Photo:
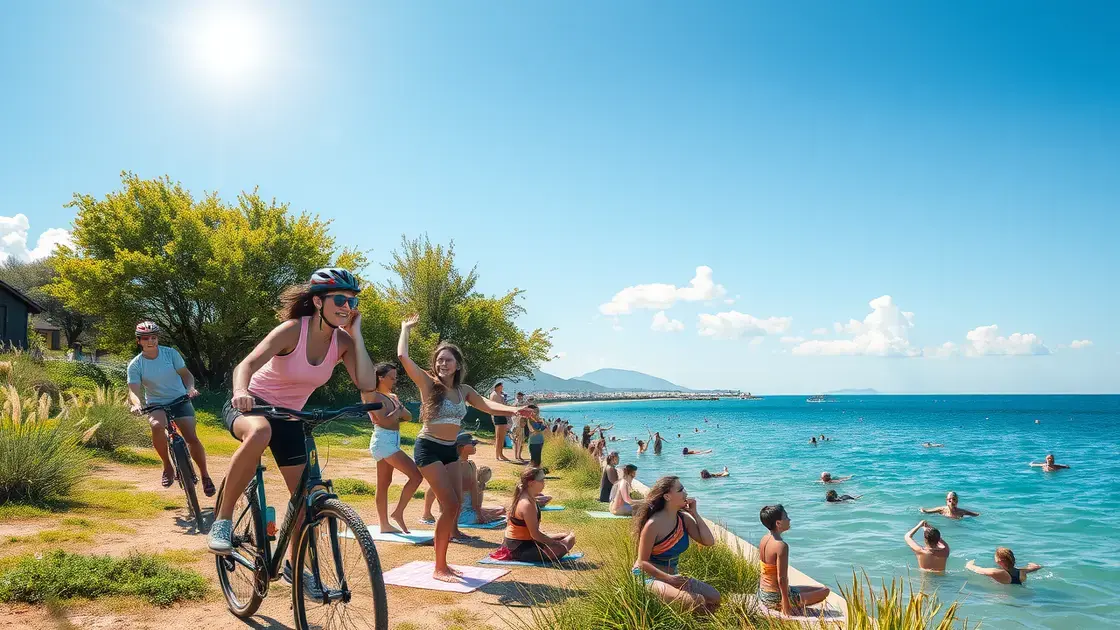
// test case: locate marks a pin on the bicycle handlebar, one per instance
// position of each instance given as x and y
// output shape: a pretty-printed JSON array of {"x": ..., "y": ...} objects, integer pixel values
[{"x": 315, "y": 416}]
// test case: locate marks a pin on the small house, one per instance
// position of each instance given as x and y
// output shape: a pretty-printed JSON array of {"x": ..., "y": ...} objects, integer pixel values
[
  {"x": 48, "y": 331},
  {"x": 15, "y": 309}
]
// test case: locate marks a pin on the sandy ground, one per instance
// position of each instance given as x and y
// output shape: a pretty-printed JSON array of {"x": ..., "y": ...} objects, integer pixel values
[{"x": 488, "y": 607}]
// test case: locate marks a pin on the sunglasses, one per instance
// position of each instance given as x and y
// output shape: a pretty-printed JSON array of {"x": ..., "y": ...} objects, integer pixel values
[{"x": 339, "y": 300}]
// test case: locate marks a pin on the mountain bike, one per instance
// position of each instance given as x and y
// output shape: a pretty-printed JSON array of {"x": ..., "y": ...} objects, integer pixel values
[
  {"x": 180, "y": 456},
  {"x": 336, "y": 580}
]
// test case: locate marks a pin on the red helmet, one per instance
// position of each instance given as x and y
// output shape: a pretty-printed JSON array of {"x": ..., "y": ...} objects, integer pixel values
[{"x": 147, "y": 327}]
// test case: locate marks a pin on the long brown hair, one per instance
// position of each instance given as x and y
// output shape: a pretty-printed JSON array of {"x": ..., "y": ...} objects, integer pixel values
[
  {"x": 528, "y": 476},
  {"x": 296, "y": 302},
  {"x": 439, "y": 390},
  {"x": 654, "y": 503}
]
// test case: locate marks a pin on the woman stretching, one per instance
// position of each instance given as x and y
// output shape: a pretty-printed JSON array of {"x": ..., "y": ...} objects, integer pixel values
[
  {"x": 664, "y": 523},
  {"x": 443, "y": 405},
  {"x": 1007, "y": 572},
  {"x": 385, "y": 446},
  {"x": 621, "y": 503},
  {"x": 524, "y": 538},
  {"x": 774, "y": 590},
  {"x": 295, "y": 359}
]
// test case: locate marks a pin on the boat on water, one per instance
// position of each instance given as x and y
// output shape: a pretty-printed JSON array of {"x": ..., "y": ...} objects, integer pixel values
[
  {"x": 748, "y": 396},
  {"x": 819, "y": 398}
]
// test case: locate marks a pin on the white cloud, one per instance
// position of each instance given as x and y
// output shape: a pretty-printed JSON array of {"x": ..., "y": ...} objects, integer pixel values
[
  {"x": 1078, "y": 344},
  {"x": 944, "y": 351},
  {"x": 658, "y": 297},
  {"x": 986, "y": 340},
  {"x": 13, "y": 239},
  {"x": 820, "y": 332},
  {"x": 662, "y": 323},
  {"x": 884, "y": 332},
  {"x": 733, "y": 324},
  {"x": 792, "y": 339}
]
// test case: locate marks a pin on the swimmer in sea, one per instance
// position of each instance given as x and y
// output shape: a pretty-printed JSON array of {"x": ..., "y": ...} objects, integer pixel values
[
  {"x": 642, "y": 446},
  {"x": 950, "y": 509},
  {"x": 932, "y": 445},
  {"x": 933, "y": 555},
  {"x": 1007, "y": 573},
  {"x": 1048, "y": 465},
  {"x": 689, "y": 451},
  {"x": 704, "y": 474},
  {"x": 813, "y": 440},
  {"x": 827, "y": 477},
  {"x": 832, "y": 497}
]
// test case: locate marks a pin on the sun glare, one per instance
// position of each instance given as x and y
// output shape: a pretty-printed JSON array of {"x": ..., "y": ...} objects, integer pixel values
[{"x": 227, "y": 46}]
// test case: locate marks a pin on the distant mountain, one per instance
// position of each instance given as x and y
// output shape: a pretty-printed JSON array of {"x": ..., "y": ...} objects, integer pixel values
[
  {"x": 545, "y": 382},
  {"x": 856, "y": 392},
  {"x": 629, "y": 380}
]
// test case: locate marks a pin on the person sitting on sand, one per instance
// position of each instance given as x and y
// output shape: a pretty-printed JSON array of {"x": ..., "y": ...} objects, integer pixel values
[
  {"x": 524, "y": 539},
  {"x": 689, "y": 451},
  {"x": 1007, "y": 573},
  {"x": 832, "y": 497},
  {"x": 1048, "y": 465},
  {"x": 826, "y": 477},
  {"x": 621, "y": 503},
  {"x": 642, "y": 446},
  {"x": 933, "y": 555},
  {"x": 704, "y": 474},
  {"x": 950, "y": 509},
  {"x": 774, "y": 590},
  {"x": 664, "y": 524},
  {"x": 609, "y": 477},
  {"x": 932, "y": 445}
]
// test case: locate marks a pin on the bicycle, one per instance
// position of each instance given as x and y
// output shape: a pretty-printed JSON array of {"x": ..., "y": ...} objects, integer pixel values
[
  {"x": 245, "y": 574},
  {"x": 180, "y": 456}
]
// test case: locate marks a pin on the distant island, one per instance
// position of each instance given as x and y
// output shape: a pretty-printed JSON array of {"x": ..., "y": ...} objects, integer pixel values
[
  {"x": 607, "y": 384},
  {"x": 854, "y": 392}
]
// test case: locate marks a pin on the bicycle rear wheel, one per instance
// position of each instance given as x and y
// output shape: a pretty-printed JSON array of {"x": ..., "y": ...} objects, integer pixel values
[
  {"x": 350, "y": 593},
  {"x": 241, "y": 585},
  {"x": 185, "y": 467}
]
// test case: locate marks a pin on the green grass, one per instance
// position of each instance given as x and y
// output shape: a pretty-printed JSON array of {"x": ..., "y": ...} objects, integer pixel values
[
  {"x": 99, "y": 498},
  {"x": 129, "y": 456},
  {"x": 356, "y": 490},
  {"x": 580, "y": 469},
  {"x": 63, "y": 576}
]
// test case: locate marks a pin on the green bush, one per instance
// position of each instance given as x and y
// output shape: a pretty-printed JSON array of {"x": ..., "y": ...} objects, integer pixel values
[
  {"x": 81, "y": 376},
  {"x": 107, "y": 425},
  {"x": 61, "y": 575},
  {"x": 40, "y": 461},
  {"x": 577, "y": 463},
  {"x": 348, "y": 485}
]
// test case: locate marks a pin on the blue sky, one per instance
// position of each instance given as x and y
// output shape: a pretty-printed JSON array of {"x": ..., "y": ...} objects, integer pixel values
[{"x": 958, "y": 157}]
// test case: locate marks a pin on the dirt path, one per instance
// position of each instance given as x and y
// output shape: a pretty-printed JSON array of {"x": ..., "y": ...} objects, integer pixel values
[{"x": 488, "y": 607}]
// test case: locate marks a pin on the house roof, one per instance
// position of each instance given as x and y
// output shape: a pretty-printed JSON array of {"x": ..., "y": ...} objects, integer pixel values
[
  {"x": 40, "y": 323},
  {"x": 32, "y": 305}
]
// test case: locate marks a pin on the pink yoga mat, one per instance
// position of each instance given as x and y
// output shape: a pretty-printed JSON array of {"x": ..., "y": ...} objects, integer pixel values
[{"x": 418, "y": 574}]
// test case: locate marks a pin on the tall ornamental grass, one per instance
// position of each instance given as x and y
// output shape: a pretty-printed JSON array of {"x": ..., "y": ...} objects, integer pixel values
[
  {"x": 576, "y": 462},
  {"x": 105, "y": 421},
  {"x": 41, "y": 460}
]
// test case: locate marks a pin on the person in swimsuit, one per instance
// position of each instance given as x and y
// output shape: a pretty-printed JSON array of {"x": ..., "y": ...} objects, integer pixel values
[
  {"x": 609, "y": 477},
  {"x": 690, "y": 451},
  {"x": 832, "y": 497},
  {"x": 585, "y": 439},
  {"x": 1048, "y": 465},
  {"x": 664, "y": 524},
  {"x": 656, "y": 438},
  {"x": 321, "y": 327},
  {"x": 1007, "y": 573},
  {"x": 516, "y": 431},
  {"x": 704, "y": 474},
  {"x": 935, "y": 553},
  {"x": 933, "y": 445},
  {"x": 501, "y": 424},
  {"x": 443, "y": 405},
  {"x": 474, "y": 485},
  {"x": 524, "y": 538},
  {"x": 385, "y": 446},
  {"x": 621, "y": 503},
  {"x": 828, "y": 478},
  {"x": 950, "y": 509},
  {"x": 774, "y": 590},
  {"x": 642, "y": 446}
]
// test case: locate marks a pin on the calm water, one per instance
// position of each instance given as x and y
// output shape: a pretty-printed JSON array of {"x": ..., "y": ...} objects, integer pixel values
[{"x": 1067, "y": 521}]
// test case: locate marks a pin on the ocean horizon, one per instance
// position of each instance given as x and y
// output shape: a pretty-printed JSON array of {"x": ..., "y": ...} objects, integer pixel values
[{"x": 1061, "y": 520}]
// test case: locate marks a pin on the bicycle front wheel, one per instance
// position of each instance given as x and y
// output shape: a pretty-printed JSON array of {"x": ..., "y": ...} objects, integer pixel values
[
  {"x": 337, "y": 583},
  {"x": 186, "y": 479}
]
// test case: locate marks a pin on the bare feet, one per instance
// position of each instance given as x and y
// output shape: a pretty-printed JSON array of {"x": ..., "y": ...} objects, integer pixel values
[
  {"x": 398, "y": 518},
  {"x": 450, "y": 575},
  {"x": 389, "y": 529}
]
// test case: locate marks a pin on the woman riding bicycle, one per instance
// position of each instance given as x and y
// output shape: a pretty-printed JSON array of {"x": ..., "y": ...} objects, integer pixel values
[
  {"x": 444, "y": 399},
  {"x": 321, "y": 327}
]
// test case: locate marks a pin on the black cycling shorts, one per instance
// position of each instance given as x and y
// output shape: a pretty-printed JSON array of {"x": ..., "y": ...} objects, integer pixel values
[
  {"x": 501, "y": 421},
  {"x": 287, "y": 436},
  {"x": 425, "y": 452}
]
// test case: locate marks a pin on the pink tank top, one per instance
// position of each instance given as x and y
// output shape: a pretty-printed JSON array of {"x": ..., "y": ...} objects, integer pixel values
[{"x": 289, "y": 380}]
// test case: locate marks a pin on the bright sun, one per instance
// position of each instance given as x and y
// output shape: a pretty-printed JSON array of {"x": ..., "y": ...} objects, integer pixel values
[{"x": 227, "y": 45}]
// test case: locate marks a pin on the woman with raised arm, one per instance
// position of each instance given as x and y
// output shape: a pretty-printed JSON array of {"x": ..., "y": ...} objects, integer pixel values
[
  {"x": 385, "y": 446},
  {"x": 320, "y": 327},
  {"x": 443, "y": 405}
]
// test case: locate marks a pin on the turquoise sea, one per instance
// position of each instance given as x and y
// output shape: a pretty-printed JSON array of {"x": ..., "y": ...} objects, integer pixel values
[{"x": 1068, "y": 521}]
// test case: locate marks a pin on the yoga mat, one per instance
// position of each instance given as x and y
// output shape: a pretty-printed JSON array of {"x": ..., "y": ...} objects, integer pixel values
[
  {"x": 418, "y": 574},
  {"x": 517, "y": 563},
  {"x": 413, "y": 538},
  {"x": 552, "y": 508},
  {"x": 491, "y": 525},
  {"x": 824, "y": 611},
  {"x": 594, "y": 514}
]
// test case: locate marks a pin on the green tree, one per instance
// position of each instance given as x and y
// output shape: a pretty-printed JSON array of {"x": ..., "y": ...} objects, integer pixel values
[
  {"x": 32, "y": 278},
  {"x": 209, "y": 273}
]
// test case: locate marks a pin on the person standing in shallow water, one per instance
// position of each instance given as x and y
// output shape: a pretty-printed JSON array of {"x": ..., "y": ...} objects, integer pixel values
[
  {"x": 935, "y": 553},
  {"x": 950, "y": 509},
  {"x": 443, "y": 405},
  {"x": 1007, "y": 572}
]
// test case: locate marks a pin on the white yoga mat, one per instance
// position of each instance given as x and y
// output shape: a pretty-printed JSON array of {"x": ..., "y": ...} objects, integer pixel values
[
  {"x": 594, "y": 514},
  {"x": 418, "y": 574},
  {"x": 517, "y": 563},
  {"x": 411, "y": 538}
]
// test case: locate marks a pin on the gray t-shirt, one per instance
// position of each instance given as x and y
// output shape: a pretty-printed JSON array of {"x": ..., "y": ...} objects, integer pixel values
[{"x": 159, "y": 376}]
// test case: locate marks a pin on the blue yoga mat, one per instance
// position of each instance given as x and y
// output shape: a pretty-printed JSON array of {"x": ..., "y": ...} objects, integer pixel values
[
  {"x": 552, "y": 508},
  {"x": 517, "y": 563}
]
